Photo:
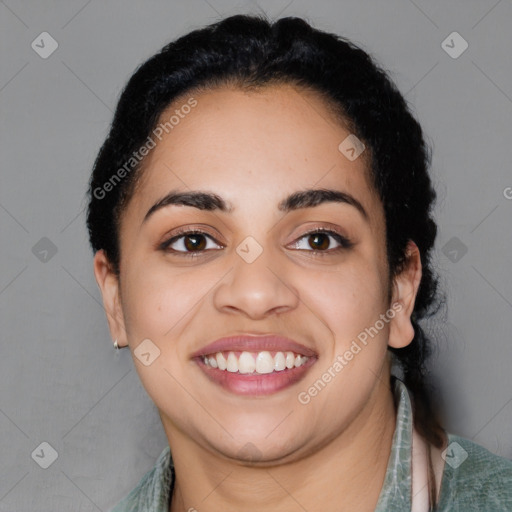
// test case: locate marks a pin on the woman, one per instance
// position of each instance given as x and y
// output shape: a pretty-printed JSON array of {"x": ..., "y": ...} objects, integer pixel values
[{"x": 261, "y": 219}]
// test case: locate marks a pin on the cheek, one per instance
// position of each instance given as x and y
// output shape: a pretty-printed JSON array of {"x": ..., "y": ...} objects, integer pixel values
[
  {"x": 350, "y": 302},
  {"x": 349, "y": 299},
  {"x": 158, "y": 304}
]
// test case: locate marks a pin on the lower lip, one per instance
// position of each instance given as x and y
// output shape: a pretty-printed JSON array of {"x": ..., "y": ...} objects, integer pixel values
[{"x": 256, "y": 384}]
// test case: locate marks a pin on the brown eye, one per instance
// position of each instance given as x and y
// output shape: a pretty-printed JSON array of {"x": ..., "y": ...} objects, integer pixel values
[
  {"x": 189, "y": 242},
  {"x": 194, "y": 242},
  {"x": 319, "y": 241}
]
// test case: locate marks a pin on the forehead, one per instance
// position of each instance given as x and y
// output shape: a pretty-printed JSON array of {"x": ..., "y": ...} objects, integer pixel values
[{"x": 247, "y": 145}]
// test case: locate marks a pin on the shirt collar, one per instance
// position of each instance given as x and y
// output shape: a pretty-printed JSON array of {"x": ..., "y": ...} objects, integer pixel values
[{"x": 396, "y": 491}]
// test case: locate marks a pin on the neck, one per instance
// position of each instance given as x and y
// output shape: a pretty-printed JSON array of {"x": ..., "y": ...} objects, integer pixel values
[{"x": 346, "y": 473}]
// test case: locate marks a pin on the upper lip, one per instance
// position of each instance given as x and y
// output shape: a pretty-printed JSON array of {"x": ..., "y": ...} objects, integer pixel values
[{"x": 254, "y": 343}]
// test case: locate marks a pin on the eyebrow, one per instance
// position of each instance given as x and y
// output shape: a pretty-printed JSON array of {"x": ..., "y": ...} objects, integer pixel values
[{"x": 298, "y": 200}]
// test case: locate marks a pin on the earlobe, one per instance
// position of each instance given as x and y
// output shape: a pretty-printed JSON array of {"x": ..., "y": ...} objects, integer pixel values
[
  {"x": 405, "y": 289},
  {"x": 108, "y": 283}
]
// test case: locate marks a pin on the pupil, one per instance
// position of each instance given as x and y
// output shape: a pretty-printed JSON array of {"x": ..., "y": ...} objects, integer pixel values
[
  {"x": 323, "y": 238},
  {"x": 196, "y": 245}
]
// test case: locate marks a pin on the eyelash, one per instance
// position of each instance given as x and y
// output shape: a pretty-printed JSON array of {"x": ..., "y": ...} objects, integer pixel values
[{"x": 344, "y": 242}]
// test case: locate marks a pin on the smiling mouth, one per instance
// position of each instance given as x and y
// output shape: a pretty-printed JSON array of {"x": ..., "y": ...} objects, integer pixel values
[
  {"x": 255, "y": 364},
  {"x": 255, "y": 373}
]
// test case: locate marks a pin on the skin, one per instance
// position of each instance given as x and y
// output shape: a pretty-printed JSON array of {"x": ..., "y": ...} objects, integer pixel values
[{"x": 253, "y": 150}]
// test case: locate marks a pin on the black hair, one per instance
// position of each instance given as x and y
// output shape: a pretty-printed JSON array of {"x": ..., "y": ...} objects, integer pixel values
[{"x": 249, "y": 52}]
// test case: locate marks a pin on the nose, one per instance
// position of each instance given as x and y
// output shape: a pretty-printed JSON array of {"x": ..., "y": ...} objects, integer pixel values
[{"x": 257, "y": 289}]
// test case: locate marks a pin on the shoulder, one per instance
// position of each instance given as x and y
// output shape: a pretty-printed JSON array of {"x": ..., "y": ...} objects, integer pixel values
[
  {"x": 474, "y": 478},
  {"x": 151, "y": 494}
]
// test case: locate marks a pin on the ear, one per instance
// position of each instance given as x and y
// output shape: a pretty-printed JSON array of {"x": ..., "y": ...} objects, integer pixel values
[
  {"x": 405, "y": 288},
  {"x": 108, "y": 283}
]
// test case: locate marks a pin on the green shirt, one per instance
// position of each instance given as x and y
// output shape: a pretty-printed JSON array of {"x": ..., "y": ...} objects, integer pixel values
[{"x": 474, "y": 479}]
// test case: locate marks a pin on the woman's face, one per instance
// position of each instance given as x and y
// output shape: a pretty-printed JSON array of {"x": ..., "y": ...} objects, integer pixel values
[{"x": 259, "y": 267}]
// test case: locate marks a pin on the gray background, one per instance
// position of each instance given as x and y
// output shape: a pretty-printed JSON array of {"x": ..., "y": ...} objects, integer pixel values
[{"x": 61, "y": 382}]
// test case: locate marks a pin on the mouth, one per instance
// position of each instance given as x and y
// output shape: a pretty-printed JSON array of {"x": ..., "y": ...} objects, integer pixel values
[{"x": 255, "y": 365}]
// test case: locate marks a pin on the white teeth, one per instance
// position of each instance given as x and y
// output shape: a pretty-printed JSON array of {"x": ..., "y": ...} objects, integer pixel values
[
  {"x": 221, "y": 361},
  {"x": 264, "y": 362},
  {"x": 279, "y": 362},
  {"x": 249, "y": 362},
  {"x": 232, "y": 365},
  {"x": 246, "y": 363}
]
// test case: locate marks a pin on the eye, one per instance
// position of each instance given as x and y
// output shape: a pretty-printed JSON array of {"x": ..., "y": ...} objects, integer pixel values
[
  {"x": 320, "y": 241},
  {"x": 193, "y": 243},
  {"x": 186, "y": 243}
]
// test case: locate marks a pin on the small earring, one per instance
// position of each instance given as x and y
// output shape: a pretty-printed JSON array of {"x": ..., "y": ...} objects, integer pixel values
[{"x": 116, "y": 346}]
